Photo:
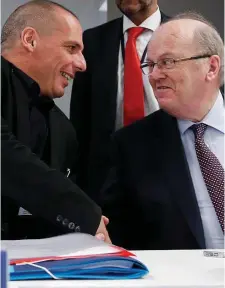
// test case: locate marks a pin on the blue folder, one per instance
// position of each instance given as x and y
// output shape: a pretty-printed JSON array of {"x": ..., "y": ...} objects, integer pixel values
[
  {"x": 70, "y": 256},
  {"x": 100, "y": 267},
  {"x": 3, "y": 271}
]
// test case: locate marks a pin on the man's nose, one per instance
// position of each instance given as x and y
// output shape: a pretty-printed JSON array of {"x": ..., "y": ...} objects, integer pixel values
[
  {"x": 79, "y": 62},
  {"x": 156, "y": 73}
]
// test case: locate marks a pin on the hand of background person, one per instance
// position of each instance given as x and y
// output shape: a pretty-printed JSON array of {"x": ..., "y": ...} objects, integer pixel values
[{"x": 102, "y": 233}]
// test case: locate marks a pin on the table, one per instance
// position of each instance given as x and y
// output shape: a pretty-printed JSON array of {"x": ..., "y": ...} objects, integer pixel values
[{"x": 177, "y": 268}]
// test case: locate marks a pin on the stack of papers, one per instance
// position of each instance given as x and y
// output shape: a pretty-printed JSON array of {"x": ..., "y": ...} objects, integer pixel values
[{"x": 71, "y": 256}]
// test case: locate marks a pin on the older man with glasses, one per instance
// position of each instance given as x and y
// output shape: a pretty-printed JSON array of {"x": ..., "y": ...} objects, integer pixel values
[{"x": 166, "y": 190}]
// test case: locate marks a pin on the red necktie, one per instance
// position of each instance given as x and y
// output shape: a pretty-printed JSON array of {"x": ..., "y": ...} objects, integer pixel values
[{"x": 133, "y": 82}]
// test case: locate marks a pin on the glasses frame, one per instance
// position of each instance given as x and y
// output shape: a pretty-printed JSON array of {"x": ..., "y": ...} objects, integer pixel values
[{"x": 146, "y": 64}]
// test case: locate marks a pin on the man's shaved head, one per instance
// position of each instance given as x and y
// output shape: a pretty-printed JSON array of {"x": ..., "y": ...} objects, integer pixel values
[
  {"x": 44, "y": 40},
  {"x": 38, "y": 14}
]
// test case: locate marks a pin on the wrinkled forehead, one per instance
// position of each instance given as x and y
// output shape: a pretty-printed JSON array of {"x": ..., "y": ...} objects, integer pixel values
[{"x": 171, "y": 39}]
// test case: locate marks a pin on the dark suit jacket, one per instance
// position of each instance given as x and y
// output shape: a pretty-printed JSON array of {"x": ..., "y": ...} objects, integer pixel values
[
  {"x": 149, "y": 197},
  {"x": 58, "y": 206},
  {"x": 93, "y": 103}
]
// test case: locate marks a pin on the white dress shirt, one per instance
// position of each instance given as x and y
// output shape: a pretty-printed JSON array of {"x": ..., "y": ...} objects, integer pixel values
[
  {"x": 214, "y": 139},
  {"x": 151, "y": 104}
]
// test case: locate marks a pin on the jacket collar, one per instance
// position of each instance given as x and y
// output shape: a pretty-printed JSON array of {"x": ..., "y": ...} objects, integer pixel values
[{"x": 33, "y": 89}]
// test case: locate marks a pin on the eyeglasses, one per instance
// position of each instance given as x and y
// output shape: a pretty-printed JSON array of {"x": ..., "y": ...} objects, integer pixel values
[{"x": 167, "y": 63}]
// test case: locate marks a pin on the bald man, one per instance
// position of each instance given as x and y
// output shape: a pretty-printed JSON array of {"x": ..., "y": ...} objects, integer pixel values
[
  {"x": 41, "y": 52},
  {"x": 167, "y": 188}
]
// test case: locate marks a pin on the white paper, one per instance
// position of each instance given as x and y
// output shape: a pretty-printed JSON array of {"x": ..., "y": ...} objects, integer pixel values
[{"x": 72, "y": 244}]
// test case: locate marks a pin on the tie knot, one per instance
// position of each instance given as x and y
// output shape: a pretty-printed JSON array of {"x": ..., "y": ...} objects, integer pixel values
[
  {"x": 199, "y": 130},
  {"x": 134, "y": 32}
]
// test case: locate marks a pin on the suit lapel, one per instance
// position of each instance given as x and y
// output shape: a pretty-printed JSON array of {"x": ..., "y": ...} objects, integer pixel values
[
  {"x": 178, "y": 177},
  {"x": 109, "y": 66}
]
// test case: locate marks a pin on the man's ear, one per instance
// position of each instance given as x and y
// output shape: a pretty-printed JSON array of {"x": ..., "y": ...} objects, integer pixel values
[
  {"x": 29, "y": 39},
  {"x": 214, "y": 67}
]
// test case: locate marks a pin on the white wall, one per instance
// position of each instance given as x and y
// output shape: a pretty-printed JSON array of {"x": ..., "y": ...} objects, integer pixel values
[{"x": 88, "y": 14}]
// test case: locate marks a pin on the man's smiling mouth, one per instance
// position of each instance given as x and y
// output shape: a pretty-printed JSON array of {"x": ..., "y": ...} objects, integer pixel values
[{"x": 67, "y": 76}]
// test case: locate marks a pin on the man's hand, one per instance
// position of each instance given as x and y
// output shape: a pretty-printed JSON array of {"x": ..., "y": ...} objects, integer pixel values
[{"x": 102, "y": 233}]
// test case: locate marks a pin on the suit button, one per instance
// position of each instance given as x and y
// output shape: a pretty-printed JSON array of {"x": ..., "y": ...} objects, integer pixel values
[
  {"x": 65, "y": 222},
  {"x": 77, "y": 229},
  {"x": 71, "y": 225},
  {"x": 59, "y": 218}
]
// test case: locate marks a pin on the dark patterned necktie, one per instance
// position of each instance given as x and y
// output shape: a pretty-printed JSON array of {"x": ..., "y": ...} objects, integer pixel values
[{"x": 212, "y": 171}]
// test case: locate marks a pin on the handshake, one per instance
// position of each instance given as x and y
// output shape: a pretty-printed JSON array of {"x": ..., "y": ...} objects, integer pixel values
[{"x": 102, "y": 233}]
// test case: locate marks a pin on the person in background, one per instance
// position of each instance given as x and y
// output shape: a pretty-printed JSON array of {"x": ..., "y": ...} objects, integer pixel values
[
  {"x": 166, "y": 190},
  {"x": 41, "y": 52},
  {"x": 112, "y": 92}
]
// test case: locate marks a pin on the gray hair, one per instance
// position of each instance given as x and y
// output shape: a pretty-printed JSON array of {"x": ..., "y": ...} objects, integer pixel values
[
  {"x": 38, "y": 14},
  {"x": 207, "y": 37}
]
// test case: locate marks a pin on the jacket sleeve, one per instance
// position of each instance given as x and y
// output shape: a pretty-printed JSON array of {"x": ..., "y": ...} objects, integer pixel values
[
  {"x": 80, "y": 115},
  {"x": 42, "y": 191}
]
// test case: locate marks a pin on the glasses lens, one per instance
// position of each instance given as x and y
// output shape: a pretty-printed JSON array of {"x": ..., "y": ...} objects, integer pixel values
[
  {"x": 145, "y": 69},
  {"x": 166, "y": 63}
]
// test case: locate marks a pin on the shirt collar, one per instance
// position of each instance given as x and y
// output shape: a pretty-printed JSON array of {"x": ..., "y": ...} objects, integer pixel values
[
  {"x": 151, "y": 23},
  {"x": 215, "y": 117}
]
